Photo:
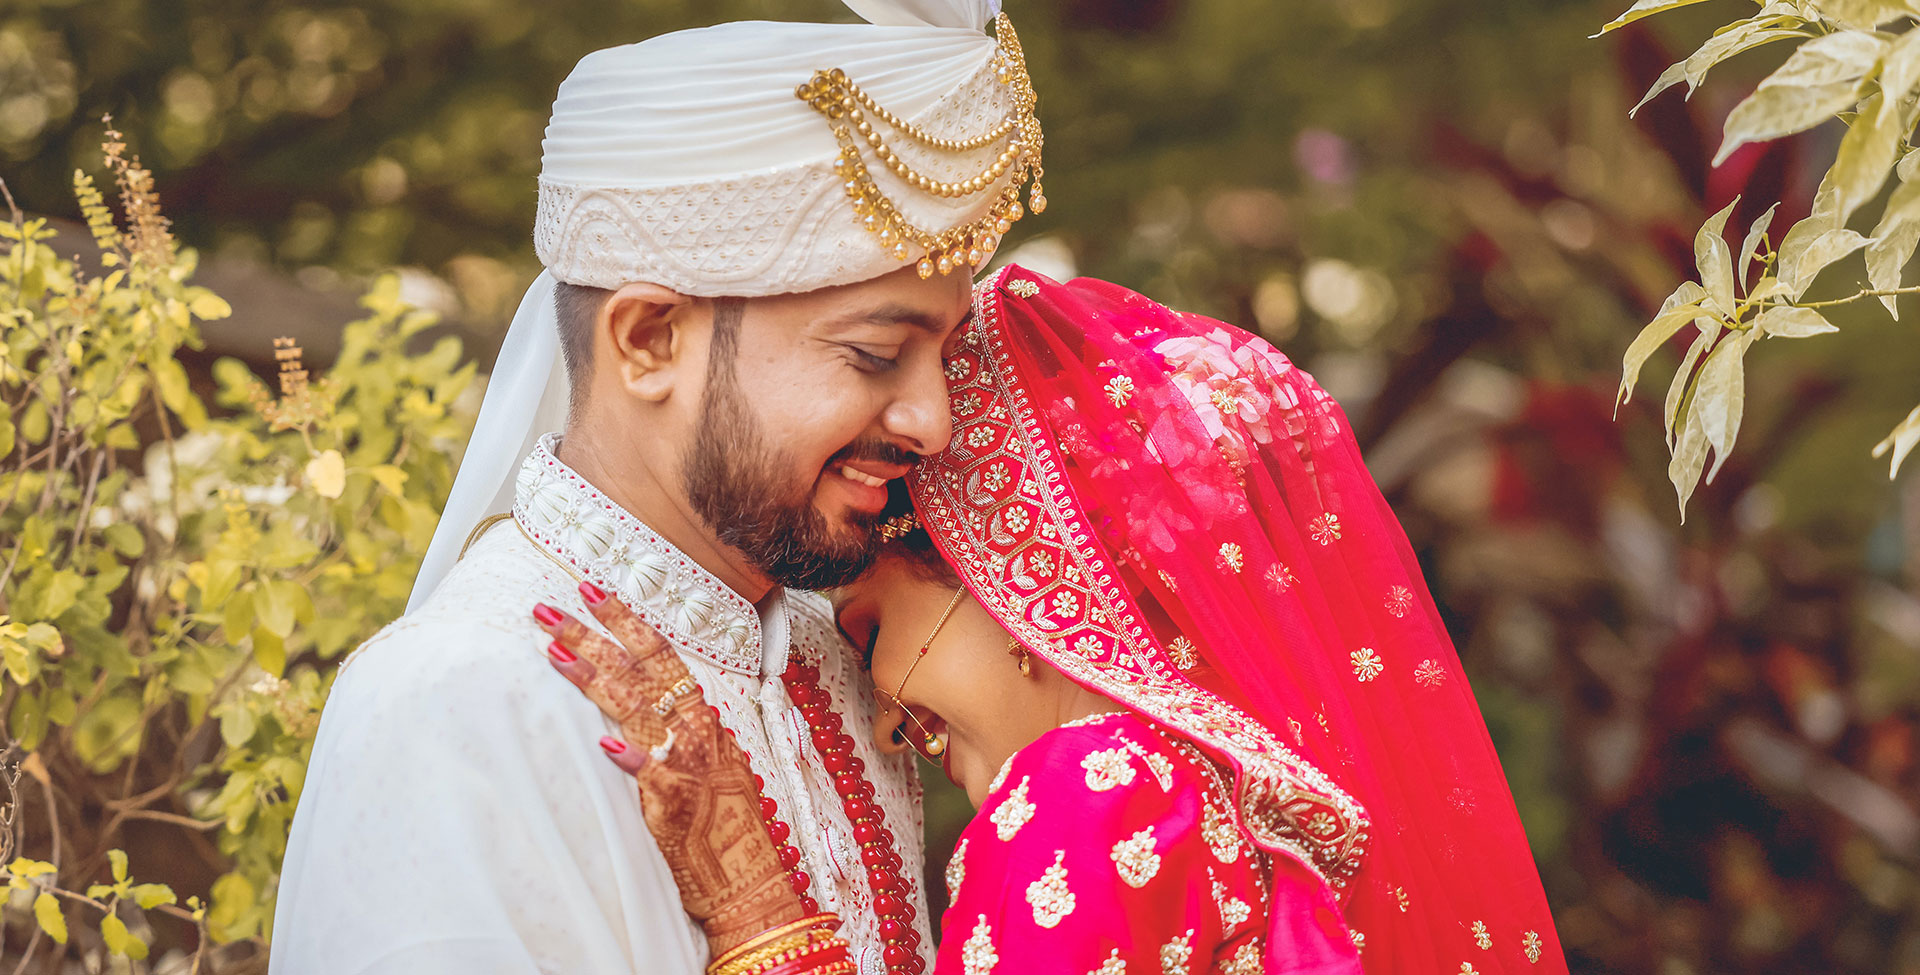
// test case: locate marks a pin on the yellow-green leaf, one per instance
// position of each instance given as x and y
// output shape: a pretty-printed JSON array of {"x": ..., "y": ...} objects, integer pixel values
[
  {"x": 237, "y": 724},
  {"x": 1644, "y": 8},
  {"x": 1787, "y": 322},
  {"x": 1714, "y": 260},
  {"x": 1803, "y": 258},
  {"x": 1862, "y": 13},
  {"x": 1734, "y": 40},
  {"x": 1680, "y": 308},
  {"x": 390, "y": 477},
  {"x": 119, "y": 940},
  {"x": 1721, "y": 396},
  {"x": 1844, "y": 56},
  {"x": 150, "y": 896},
  {"x": 1866, "y": 153},
  {"x": 327, "y": 474},
  {"x": 46, "y": 910},
  {"x": 1901, "y": 441},
  {"x": 274, "y": 605},
  {"x": 1894, "y": 240},
  {"x": 171, "y": 380},
  {"x": 1710, "y": 329},
  {"x": 1773, "y": 111},
  {"x": 1689, "y": 455},
  {"x": 23, "y": 867},
  {"x": 209, "y": 307},
  {"x": 117, "y": 860}
]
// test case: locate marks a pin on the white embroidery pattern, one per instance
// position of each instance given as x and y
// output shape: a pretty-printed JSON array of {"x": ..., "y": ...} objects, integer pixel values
[
  {"x": 956, "y": 871},
  {"x": 1175, "y": 954},
  {"x": 1135, "y": 860},
  {"x": 1108, "y": 768},
  {"x": 1246, "y": 959},
  {"x": 1220, "y": 833},
  {"x": 1014, "y": 812},
  {"x": 1114, "y": 965},
  {"x": 977, "y": 956},
  {"x": 1049, "y": 896}
]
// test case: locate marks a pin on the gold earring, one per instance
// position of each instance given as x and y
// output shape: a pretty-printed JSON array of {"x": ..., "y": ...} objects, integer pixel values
[{"x": 1017, "y": 650}]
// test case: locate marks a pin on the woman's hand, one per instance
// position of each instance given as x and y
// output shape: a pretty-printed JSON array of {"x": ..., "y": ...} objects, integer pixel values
[{"x": 696, "y": 788}]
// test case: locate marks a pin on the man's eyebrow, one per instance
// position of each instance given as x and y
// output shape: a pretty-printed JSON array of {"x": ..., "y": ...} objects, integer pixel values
[{"x": 896, "y": 314}]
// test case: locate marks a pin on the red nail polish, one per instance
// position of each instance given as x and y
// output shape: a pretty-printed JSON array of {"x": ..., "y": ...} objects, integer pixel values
[
  {"x": 560, "y": 653},
  {"x": 547, "y": 614},
  {"x": 613, "y": 746},
  {"x": 593, "y": 594}
]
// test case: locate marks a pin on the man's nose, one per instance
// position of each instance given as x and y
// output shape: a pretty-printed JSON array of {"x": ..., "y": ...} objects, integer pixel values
[{"x": 921, "y": 414}]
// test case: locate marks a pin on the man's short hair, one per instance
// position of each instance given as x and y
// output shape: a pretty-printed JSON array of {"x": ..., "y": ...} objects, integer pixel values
[{"x": 578, "y": 305}]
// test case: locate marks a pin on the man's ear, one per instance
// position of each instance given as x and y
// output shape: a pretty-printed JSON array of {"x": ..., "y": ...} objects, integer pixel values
[{"x": 644, "y": 327}]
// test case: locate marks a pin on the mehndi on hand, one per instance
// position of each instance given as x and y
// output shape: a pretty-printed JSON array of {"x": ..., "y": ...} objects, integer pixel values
[{"x": 697, "y": 790}]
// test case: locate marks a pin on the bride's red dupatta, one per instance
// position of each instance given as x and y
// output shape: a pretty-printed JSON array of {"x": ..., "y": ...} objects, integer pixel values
[{"x": 1169, "y": 512}]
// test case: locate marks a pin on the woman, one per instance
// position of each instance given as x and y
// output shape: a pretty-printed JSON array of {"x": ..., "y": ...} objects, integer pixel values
[{"x": 1176, "y": 648}]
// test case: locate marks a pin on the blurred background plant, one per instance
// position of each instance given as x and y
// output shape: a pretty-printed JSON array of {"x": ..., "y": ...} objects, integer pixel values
[
  {"x": 177, "y": 567},
  {"x": 1443, "y": 210}
]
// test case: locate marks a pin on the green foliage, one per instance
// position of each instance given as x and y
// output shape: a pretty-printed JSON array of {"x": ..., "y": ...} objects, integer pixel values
[
  {"x": 177, "y": 575},
  {"x": 1851, "y": 64}
]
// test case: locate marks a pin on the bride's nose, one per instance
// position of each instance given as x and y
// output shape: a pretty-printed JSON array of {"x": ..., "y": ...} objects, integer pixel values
[{"x": 889, "y": 731}]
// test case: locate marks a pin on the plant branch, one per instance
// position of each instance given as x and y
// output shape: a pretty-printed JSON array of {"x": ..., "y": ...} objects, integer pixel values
[{"x": 1863, "y": 293}]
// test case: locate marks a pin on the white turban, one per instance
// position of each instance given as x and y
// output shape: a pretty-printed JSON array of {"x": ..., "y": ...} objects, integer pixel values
[
  {"x": 691, "y": 160},
  {"x": 688, "y": 161}
]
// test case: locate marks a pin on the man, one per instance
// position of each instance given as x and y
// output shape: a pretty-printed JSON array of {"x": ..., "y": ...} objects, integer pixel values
[{"x": 753, "y": 264}]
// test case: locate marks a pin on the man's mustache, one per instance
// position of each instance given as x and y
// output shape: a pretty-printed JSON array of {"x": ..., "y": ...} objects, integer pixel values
[{"x": 877, "y": 450}]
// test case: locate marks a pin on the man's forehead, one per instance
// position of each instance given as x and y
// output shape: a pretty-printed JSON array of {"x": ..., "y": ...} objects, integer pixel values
[{"x": 927, "y": 319}]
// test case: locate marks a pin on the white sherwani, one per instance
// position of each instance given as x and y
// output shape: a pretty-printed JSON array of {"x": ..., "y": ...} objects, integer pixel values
[{"x": 458, "y": 817}]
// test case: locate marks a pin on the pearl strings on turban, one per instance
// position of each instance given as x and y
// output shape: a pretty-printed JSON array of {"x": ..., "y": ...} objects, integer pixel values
[{"x": 736, "y": 161}]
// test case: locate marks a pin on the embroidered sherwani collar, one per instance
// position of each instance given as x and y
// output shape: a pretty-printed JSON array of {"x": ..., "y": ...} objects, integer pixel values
[{"x": 601, "y": 541}]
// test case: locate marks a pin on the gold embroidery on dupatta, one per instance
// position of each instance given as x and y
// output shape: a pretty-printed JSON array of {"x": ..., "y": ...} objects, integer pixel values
[
  {"x": 1232, "y": 557},
  {"x": 1366, "y": 664},
  {"x": 1399, "y": 601},
  {"x": 1481, "y": 936},
  {"x": 1181, "y": 650},
  {"x": 1325, "y": 529},
  {"x": 1429, "y": 673},
  {"x": 1531, "y": 942}
]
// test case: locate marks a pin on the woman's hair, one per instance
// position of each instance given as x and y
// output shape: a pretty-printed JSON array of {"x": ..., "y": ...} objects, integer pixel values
[{"x": 915, "y": 548}]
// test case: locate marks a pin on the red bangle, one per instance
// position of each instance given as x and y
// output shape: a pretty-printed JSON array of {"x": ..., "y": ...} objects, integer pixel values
[{"x": 828, "y": 959}]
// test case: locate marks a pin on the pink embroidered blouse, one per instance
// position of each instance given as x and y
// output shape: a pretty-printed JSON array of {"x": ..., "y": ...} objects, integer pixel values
[{"x": 1106, "y": 847}]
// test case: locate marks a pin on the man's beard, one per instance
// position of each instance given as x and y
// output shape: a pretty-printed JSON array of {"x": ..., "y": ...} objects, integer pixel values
[{"x": 734, "y": 481}]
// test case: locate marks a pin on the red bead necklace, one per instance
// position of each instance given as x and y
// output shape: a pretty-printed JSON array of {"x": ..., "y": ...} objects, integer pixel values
[{"x": 892, "y": 897}]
